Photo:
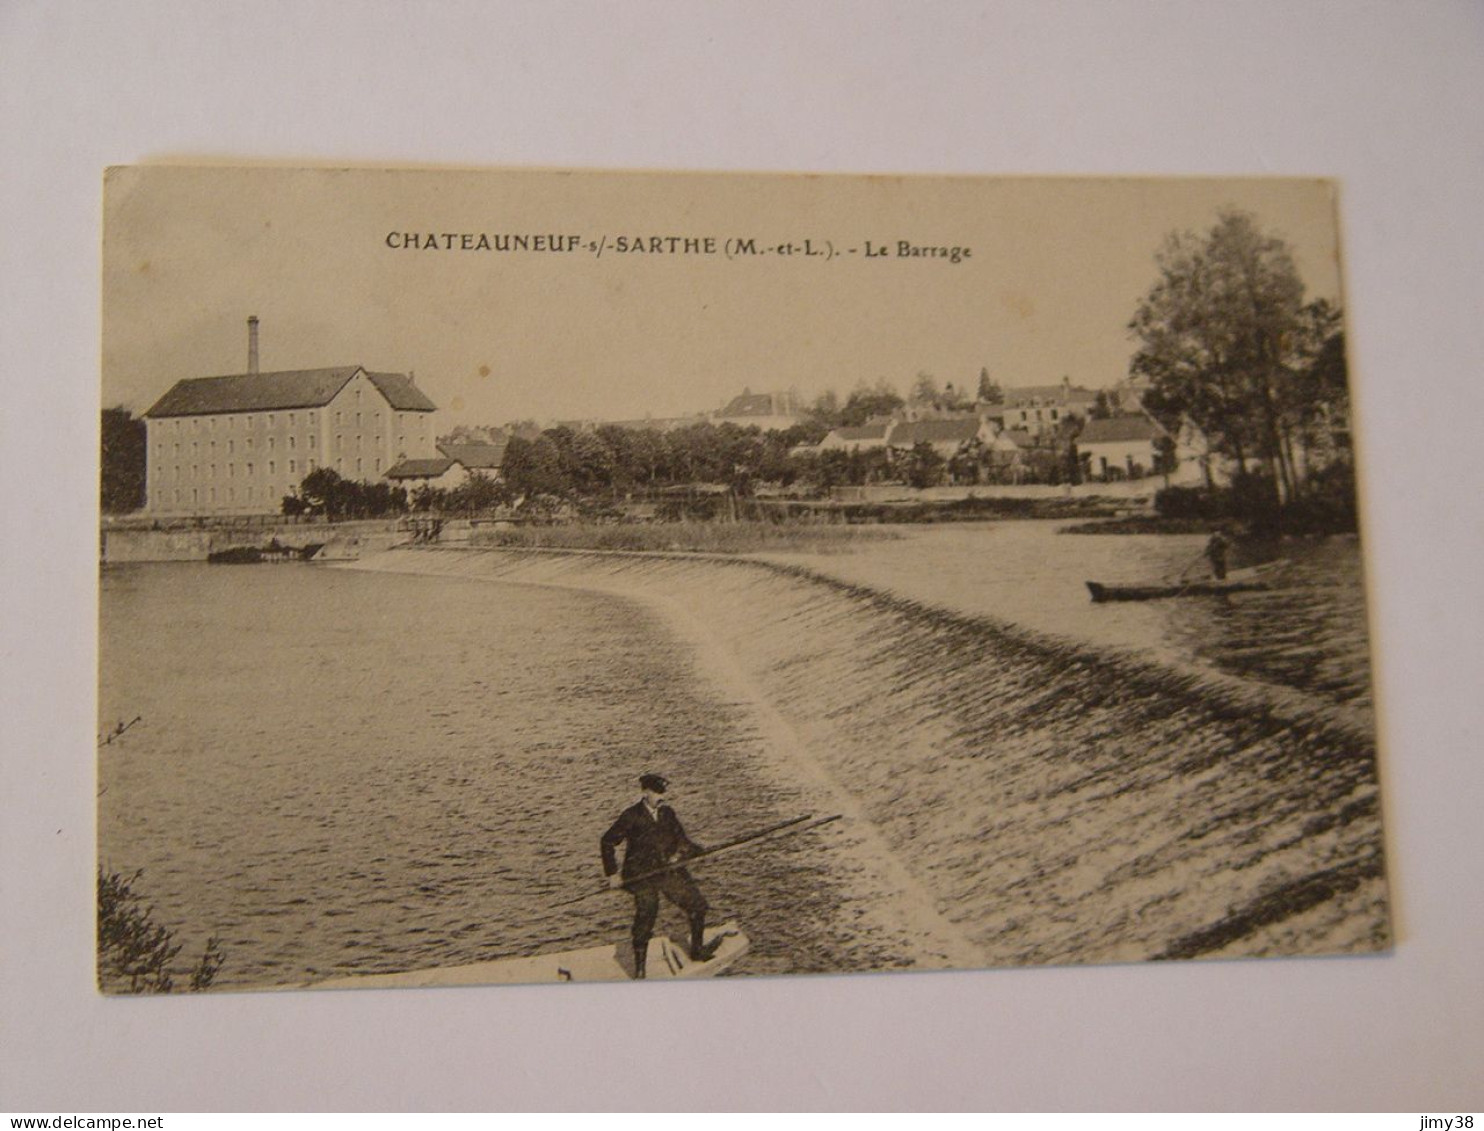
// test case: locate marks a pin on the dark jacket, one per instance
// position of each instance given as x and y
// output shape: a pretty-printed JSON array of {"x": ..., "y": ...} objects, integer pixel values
[{"x": 652, "y": 843}]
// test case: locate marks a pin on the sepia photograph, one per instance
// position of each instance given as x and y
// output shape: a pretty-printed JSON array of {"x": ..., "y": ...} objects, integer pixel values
[{"x": 545, "y": 577}]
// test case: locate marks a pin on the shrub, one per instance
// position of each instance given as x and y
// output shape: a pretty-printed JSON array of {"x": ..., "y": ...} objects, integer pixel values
[{"x": 134, "y": 952}]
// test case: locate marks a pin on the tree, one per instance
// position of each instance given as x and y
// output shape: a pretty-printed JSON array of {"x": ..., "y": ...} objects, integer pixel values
[
  {"x": 924, "y": 466},
  {"x": 865, "y": 403},
  {"x": 123, "y": 458},
  {"x": 534, "y": 467},
  {"x": 925, "y": 389},
  {"x": 1225, "y": 339},
  {"x": 324, "y": 491},
  {"x": 1106, "y": 404},
  {"x": 825, "y": 411},
  {"x": 989, "y": 389}
]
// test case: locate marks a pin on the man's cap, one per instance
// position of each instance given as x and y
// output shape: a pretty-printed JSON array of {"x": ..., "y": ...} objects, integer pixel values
[{"x": 654, "y": 783}]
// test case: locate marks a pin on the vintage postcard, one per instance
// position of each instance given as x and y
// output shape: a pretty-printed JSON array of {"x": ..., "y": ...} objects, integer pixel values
[{"x": 547, "y": 577}]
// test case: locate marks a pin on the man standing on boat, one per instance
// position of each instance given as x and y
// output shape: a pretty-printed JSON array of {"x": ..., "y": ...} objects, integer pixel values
[
  {"x": 654, "y": 843},
  {"x": 1217, "y": 550}
]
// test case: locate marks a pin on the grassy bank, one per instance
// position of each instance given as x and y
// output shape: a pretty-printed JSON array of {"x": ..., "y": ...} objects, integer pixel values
[
  {"x": 686, "y": 537},
  {"x": 1142, "y": 524}
]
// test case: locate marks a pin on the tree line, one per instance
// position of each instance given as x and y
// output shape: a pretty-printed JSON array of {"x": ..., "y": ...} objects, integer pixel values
[{"x": 1228, "y": 343}]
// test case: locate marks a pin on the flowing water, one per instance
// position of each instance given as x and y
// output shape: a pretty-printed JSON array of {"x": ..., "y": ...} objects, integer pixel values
[{"x": 364, "y": 771}]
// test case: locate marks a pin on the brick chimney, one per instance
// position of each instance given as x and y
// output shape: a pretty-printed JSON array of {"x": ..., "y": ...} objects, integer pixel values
[{"x": 252, "y": 343}]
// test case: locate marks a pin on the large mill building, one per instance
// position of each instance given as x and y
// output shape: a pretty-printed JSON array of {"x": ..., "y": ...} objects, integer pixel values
[{"x": 238, "y": 444}]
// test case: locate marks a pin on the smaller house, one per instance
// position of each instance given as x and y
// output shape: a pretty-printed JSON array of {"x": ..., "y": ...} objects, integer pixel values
[
  {"x": 1119, "y": 447},
  {"x": 865, "y": 438},
  {"x": 945, "y": 436},
  {"x": 454, "y": 465}
]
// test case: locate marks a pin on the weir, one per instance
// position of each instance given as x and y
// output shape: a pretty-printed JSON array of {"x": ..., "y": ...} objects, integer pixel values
[{"x": 1042, "y": 802}]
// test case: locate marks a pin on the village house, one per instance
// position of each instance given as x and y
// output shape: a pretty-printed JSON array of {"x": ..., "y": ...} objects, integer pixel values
[
  {"x": 775, "y": 412},
  {"x": 946, "y": 436},
  {"x": 237, "y": 444},
  {"x": 1120, "y": 447},
  {"x": 1039, "y": 409},
  {"x": 866, "y": 438},
  {"x": 451, "y": 468}
]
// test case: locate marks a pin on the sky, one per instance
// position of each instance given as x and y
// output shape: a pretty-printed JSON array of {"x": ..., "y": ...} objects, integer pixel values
[{"x": 1054, "y": 269}]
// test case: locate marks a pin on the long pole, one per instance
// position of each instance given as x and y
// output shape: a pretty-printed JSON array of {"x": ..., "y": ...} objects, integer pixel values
[{"x": 795, "y": 825}]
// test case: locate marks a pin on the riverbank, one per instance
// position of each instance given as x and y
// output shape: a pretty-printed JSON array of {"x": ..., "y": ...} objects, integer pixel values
[{"x": 1048, "y": 800}]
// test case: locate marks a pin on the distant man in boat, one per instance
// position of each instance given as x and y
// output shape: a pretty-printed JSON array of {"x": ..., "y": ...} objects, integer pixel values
[
  {"x": 654, "y": 843},
  {"x": 1217, "y": 551}
]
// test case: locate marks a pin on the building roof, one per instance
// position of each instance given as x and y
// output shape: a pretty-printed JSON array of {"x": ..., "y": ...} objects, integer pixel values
[
  {"x": 1118, "y": 429},
  {"x": 749, "y": 404},
  {"x": 864, "y": 432},
  {"x": 419, "y": 468},
  {"x": 1063, "y": 393},
  {"x": 293, "y": 388},
  {"x": 476, "y": 457},
  {"x": 401, "y": 393},
  {"x": 952, "y": 430}
]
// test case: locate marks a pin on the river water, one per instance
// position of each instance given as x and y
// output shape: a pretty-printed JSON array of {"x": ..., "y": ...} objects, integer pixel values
[
  {"x": 1307, "y": 634},
  {"x": 363, "y": 770},
  {"x": 346, "y": 772}
]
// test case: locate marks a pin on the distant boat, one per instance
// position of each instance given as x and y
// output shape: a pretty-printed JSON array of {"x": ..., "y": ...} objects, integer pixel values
[
  {"x": 1255, "y": 579},
  {"x": 611, "y": 963},
  {"x": 273, "y": 552}
]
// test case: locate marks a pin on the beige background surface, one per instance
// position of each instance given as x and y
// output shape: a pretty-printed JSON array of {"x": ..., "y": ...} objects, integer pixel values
[{"x": 1381, "y": 97}]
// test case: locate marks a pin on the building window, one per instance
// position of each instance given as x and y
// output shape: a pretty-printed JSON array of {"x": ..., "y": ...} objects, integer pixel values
[
  {"x": 195, "y": 471},
  {"x": 311, "y": 418},
  {"x": 313, "y": 440},
  {"x": 291, "y": 420},
  {"x": 249, "y": 472},
  {"x": 339, "y": 442},
  {"x": 358, "y": 416},
  {"x": 213, "y": 471},
  {"x": 293, "y": 467},
  {"x": 378, "y": 465},
  {"x": 270, "y": 443},
  {"x": 248, "y": 423},
  {"x": 312, "y": 465},
  {"x": 270, "y": 420},
  {"x": 291, "y": 443},
  {"x": 231, "y": 446},
  {"x": 358, "y": 467},
  {"x": 337, "y": 418},
  {"x": 247, "y": 443},
  {"x": 270, "y": 467},
  {"x": 231, "y": 471},
  {"x": 212, "y": 494}
]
